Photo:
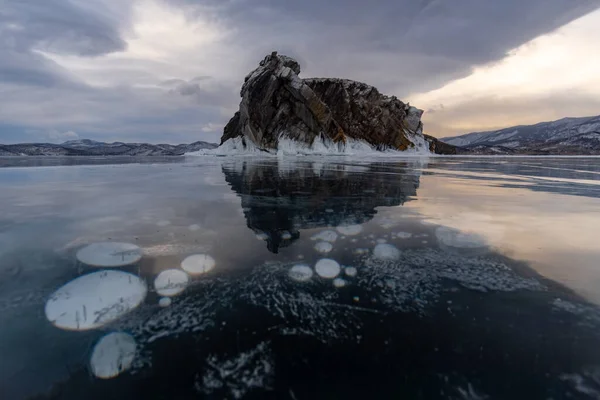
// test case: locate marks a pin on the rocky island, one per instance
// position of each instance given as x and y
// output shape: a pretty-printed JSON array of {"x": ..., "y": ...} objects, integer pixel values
[{"x": 279, "y": 109}]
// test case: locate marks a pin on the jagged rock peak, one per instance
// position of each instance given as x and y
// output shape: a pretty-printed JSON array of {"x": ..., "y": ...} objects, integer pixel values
[{"x": 277, "y": 104}]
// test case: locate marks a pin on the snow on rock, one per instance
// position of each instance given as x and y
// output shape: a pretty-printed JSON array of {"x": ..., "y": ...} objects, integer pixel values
[
  {"x": 198, "y": 264},
  {"x": 109, "y": 254},
  {"x": 171, "y": 282},
  {"x": 323, "y": 247},
  {"x": 94, "y": 300},
  {"x": 384, "y": 251},
  {"x": 112, "y": 355},
  {"x": 301, "y": 273},
  {"x": 327, "y": 268}
]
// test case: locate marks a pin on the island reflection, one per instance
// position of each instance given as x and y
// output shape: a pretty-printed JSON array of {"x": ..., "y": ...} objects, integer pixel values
[{"x": 280, "y": 197}]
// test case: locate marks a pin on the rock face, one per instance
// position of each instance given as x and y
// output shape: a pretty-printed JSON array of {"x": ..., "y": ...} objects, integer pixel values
[{"x": 276, "y": 104}]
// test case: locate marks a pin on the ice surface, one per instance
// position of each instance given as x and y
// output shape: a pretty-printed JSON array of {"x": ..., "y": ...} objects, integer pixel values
[
  {"x": 455, "y": 238},
  {"x": 198, "y": 264},
  {"x": 327, "y": 268},
  {"x": 94, "y": 300},
  {"x": 113, "y": 354},
  {"x": 109, "y": 254},
  {"x": 171, "y": 282}
]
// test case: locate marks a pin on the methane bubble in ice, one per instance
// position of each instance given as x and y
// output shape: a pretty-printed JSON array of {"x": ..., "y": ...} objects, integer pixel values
[
  {"x": 339, "y": 283},
  {"x": 350, "y": 271},
  {"x": 171, "y": 282},
  {"x": 403, "y": 235},
  {"x": 381, "y": 240},
  {"x": 163, "y": 222},
  {"x": 165, "y": 301},
  {"x": 194, "y": 227},
  {"x": 384, "y": 251},
  {"x": 94, "y": 300},
  {"x": 350, "y": 230},
  {"x": 285, "y": 235},
  {"x": 326, "y": 236},
  {"x": 112, "y": 355},
  {"x": 301, "y": 273},
  {"x": 323, "y": 247},
  {"x": 455, "y": 238},
  {"x": 198, "y": 264},
  {"x": 327, "y": 268},
  {"x": 109, "y": 254}
]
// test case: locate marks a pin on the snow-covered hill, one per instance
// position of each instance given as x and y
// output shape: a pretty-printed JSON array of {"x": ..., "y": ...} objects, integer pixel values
[
  {"x": 86, "y": 147},
  {"x": 565, "y": 136}
]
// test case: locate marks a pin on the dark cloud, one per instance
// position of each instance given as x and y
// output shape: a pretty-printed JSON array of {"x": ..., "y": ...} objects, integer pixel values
[
  {"x": 400, "y": 46},
  {"x": 60, "y": 26}
]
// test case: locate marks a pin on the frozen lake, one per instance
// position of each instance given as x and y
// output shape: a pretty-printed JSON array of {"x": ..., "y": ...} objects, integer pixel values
[{"x": 300, "y": 278}]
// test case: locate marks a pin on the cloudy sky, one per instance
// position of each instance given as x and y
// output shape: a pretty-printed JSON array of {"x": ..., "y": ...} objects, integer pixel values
[{"x": 170, "y": 70}]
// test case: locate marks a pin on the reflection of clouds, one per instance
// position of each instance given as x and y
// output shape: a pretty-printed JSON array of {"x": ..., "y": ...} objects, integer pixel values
[
  {"x": 549, "y": 230},
  {"x": 94, "y": 300}
]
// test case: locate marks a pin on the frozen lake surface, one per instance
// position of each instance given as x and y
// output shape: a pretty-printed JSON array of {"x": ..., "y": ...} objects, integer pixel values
[{"x": 300, "y": 278}]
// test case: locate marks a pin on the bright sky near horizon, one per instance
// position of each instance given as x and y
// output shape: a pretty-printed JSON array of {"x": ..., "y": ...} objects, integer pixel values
[{"x": 170, "y": 70}]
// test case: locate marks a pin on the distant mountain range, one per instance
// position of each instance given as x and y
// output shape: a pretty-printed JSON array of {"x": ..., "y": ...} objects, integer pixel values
[
  {"x": 87, "y": 147},
  {"x": 568, "y": 136}
]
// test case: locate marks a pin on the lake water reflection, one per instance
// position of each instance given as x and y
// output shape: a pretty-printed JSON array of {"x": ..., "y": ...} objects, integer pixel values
[{"x": 458, "y": 278}]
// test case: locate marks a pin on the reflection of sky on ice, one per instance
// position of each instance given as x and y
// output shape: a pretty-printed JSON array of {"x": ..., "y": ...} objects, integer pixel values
[{"x": 396, "y": 240}]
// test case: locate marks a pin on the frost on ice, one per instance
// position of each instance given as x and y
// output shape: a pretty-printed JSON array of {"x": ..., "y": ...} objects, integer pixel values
[
  {"x": 198, "y": 264},
  {"x": 327, "y": 268},
  {"x": 171, "y": 282},
  {"x": 236, "y": 376},
  {"x": 94, "y": 300},
  {"x": 113, "y": 354},
  {"x": 109, "y": 254}
]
